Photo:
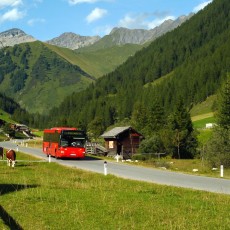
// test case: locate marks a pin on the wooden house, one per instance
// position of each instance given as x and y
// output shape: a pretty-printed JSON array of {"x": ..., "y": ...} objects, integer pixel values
[{"x": 123, "y": 141}]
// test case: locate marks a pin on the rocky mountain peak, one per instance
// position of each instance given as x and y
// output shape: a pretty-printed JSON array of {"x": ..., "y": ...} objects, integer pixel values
[
  {"x": 14, "y": 36},
  {"x": 13, "y": 32},
  {"x": 139, "y": 36},
  {"x": 73, "y": 41}
]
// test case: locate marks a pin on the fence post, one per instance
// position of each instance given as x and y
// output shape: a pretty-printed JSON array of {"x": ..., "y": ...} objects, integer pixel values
[{"x": 49, "y": 158}]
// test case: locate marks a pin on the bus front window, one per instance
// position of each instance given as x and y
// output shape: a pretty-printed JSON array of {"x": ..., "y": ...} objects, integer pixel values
[
  {"x": 72, "y": 142},
  {"x": 77, "y": 143},
  {"x": 73, "y": 138}
]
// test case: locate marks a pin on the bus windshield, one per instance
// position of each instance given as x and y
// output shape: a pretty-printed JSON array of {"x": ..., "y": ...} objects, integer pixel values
[{"x": 72, "y": 138}]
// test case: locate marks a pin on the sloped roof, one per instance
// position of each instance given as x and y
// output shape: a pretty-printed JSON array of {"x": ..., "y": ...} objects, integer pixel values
[{"x": 114, "y": 132}]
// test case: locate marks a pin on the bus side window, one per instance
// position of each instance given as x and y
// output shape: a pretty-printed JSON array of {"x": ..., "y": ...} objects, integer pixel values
[{"x": 64, "y": 143}]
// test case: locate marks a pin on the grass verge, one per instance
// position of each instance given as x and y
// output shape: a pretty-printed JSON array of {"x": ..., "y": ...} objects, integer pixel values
[{"x": 40, "y": 195}]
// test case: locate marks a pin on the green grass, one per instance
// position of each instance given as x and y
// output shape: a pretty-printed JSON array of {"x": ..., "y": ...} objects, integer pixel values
[
  {"x": 37, "y": 133},
  {"x": 204, "y": 107},
  {"x": 203, "y": 136},
  {"x": 3, "y": 137},
  {"x": 159, "y": 80},
  {"x": 97, "y": 62},
  {"x": 201, "y": 124},
  {"x": 49, "y": 196},
  {"x": 6, "y": 117}
]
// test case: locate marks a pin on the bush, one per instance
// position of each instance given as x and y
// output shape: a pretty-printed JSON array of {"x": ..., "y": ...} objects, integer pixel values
[
  {"x": 218, "y": 148},
  {"x": 153, "y": 144}
]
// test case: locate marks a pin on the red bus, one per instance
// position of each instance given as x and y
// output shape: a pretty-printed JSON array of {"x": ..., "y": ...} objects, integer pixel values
[{"x": 63, "y": 142}]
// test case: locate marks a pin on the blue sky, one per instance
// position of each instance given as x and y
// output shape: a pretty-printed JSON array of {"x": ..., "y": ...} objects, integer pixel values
[{"x": 47, "y": 19}]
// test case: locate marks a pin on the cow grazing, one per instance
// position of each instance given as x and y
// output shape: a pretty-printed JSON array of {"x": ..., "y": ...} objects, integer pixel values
[
  {"x": 11, "y": 157},
  {"x": 1, "y": 153}
]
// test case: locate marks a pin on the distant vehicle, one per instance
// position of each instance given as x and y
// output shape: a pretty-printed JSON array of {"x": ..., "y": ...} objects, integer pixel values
[{"x": 64, "y": 142}]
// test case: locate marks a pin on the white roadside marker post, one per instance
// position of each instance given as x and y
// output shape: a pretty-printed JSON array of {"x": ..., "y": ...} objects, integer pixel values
[
  {"x": 221, "y": 171},
  {"x": 105, "y": 168}
]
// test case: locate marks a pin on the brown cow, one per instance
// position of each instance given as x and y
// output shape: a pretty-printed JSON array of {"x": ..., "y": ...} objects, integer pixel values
[
  {"x": 11, "y": 157},
  {"x": 1, "y": 152}
]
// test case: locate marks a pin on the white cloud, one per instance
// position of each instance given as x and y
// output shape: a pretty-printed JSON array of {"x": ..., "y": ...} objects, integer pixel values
[
  {"x": 10, "y": 3},
  {"x": 11, "y": 15},
  {"x": 74, "y": 2},
  {"x": 96, "y": 14},
  {"x": 103, "y": 30},
  {"x": 31, "y": 22},
  {"x": 142, "y": 21},
  {"x": 158, "y": 22},
  {"x": 201, "y": 6}
]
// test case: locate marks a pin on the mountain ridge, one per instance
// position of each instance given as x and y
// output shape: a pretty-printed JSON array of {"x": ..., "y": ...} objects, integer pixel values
[
  {"x": 141, "y": 36},
  {"x": 73, "y": 41},
  {"x": 14, "y": 36},
  {"x": 118, "y": 36}
]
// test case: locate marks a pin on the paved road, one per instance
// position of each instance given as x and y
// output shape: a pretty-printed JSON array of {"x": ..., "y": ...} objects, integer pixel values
[{"x": 135, "y": 172}]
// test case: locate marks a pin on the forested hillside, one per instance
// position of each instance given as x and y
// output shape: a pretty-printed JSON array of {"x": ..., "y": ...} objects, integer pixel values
[
  {"x": 45, "y": 74},
  {"x": 16, "y": 112},
  {"x": 37, "y": 78},
  {"x": 189, "y": 63}
]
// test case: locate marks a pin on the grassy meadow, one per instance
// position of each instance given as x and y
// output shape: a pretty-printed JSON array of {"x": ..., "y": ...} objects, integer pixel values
[
  {"x": 41, "y": 195},
  {"x": 201, "y": 124},
  {"x": 5, "y": 116},
  {"x": 93, "y": 61}
]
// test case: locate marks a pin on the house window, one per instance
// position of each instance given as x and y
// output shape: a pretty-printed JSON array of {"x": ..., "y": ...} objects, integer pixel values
[{"x": 111, "y": 144}]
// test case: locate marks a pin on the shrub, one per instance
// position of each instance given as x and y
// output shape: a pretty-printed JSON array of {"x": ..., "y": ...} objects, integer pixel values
[{"x": 218, "y": 148}]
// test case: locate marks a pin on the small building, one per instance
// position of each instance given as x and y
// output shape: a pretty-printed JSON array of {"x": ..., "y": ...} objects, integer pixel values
[
  {"x": 123, "y": 141},
  {"x": 209, "y": 125}
]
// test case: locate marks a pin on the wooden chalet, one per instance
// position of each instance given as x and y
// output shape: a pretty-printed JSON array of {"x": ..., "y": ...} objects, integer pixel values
[{"x": 123, "y": 141}]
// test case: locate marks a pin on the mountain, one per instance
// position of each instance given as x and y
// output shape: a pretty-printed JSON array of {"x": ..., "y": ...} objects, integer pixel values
[
  {"x": 14, "y": 36},
  {"x": 37, "y": 77},
  {"x": 118, "y": 36},
  {"x": 190, "y": 62},
  {"x": 167, "y": 26},
  {"x": 73, "y": 41},
  {"x": 139, "y": 36},
  {"x": 121, "y": 36}
]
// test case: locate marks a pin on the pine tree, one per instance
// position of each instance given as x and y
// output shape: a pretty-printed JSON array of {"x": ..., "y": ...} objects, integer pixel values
[
  {"x": 218, "y": 148},
  {"x": 184, "y": 140},
  {"x": 156, "y": 118},
  {"x": 139, "y": 117},
  {"x": 223, "y": 115}
]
